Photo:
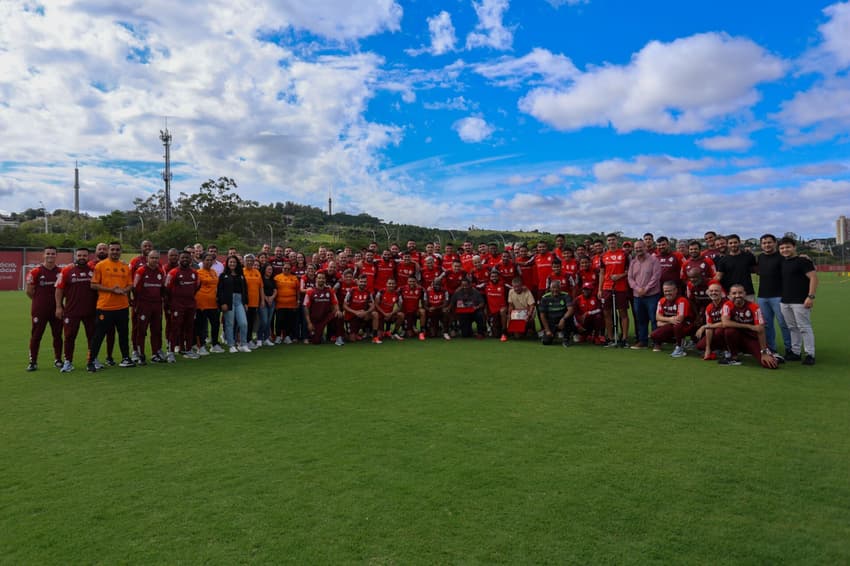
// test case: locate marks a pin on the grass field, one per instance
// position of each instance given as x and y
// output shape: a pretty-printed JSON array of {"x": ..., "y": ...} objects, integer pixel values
[{"x": 422, "y": 453}]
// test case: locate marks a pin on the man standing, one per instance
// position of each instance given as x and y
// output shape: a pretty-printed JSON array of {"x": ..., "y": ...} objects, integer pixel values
[
  {"x": 799, "y": 283},
  {"x": 645, "y": 281},
  {"x": 770, "y": 292},
  {"x": 148, "y": 290},
  {"x": 696, "y": 260},
  {"x": 496, "y": 292},
  {"x": 412, "y": 306},
  {"x": 75, "y": 304},
  {"x": 436, "y": 310},
  {"x": 674, "y": 318},
  {"x": 41, "y": 289},
  {"x": 181, "y": 284},
  {"x": 671, "y": 262},
  {"x": 613, "y": 284},
  {"x": 736, "y": 266},
  {"x": 113, "y": 283}
]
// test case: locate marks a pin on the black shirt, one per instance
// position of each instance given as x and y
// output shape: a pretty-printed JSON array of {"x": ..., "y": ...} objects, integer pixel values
[
  {"x": 795, "y": 284},
  {"x": 770, "y": 275},
  {"x": 737, "y": 269}
]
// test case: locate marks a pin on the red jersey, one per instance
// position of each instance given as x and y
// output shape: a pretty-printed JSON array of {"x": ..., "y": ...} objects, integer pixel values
[
  {"x": 596, "y": 262},
  {"x": 447, "y": 261},
  {"x": 344, "y": 288},
  {"x": 181, "y": 285},
  {"x": 480, "y": 277},
  {"x": 698, "y": 294},
  {"x": 384, "y": 271},
  {"x": 711, "y": 254},
  {"x": 507, "y": 271},
  {"x": 428, "y": 275},
  {"x": 466, "y": 262},
  {"x": 405, "y": 271},
  {"x": 436, "y": 298},
  {"x": 148, "y": 285},
  {"x": 527, "y": 273},
  {"x": 588, "y": 275},
  {"x": 307, "y": 283},
  {"x": 570, "y": 268},
  {"x": 713, "y": 313},
  {"x": 543, "y": 268},
  {"x": 451, "y": 281},
  {"x": 136, "y": 263},
  {"x": 671, "y": 266},
  {"x": 496, "y": 295},
  {"x": 567, "y": 282},
  {"x": 411, "y": 298},
  {"x": 357, "y": 299},
  {"x": 588, "y": 305},
  {"x": 705, "y": 265},
  {"x": 370, "y": 271},
  {"x": 387, "y": 301},
  {"x": 75, "y": 282},
  {"x": 614, "y": 262},
  {"x": 677, "y": 307},
  {"x": 748, "y": 313},
  {"x": 319, "y": 302},
  {"x": 44, "y": 282}
]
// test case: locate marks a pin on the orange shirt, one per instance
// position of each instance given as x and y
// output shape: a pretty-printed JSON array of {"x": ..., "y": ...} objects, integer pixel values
[
  {"x": 205, "y": 298},
  {"x": 112, "y": 274},
  {"x": 254, "y": 282},
  {"x": 287, "y": 291}
]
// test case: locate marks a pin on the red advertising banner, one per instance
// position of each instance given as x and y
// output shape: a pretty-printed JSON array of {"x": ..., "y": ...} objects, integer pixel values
[
  {"x": 11, "y": 264},
  {"x": 839, "y": 268}
]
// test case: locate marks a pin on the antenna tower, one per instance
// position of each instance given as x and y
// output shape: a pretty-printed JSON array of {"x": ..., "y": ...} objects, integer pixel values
[
  {"x": 165, "y": 136},
  {"x": 77, "y": 188}
]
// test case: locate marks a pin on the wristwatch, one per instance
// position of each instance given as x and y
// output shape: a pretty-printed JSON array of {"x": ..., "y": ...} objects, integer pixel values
[{"x": 810, "y": 296}]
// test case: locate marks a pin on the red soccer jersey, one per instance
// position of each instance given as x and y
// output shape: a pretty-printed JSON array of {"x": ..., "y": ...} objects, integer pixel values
[
  {"x": 588, "y": 275},
  {"x": 411, "y": 298},
  {"x": 567, "y": 282},
  {"x": 370, "y": 271},
  {"x": 466, "y": 262},
  {"x": 570, "y": 267},
  {"x": 428, "y": 275},
  {"x": 496, "y": 295},
  {"x": 678, "y": 307},
  {"x": 748, "y": 313},
  {"x": 181, "y": 285},
  {"x": 507, "y": 271},
  {"x": 44, "y": 282},
  {"x": 307, "y": 283},
  {"x": 359, "y": 300},
  {"x": 75, "y": 282},
  {"x": 385, "y": 270},
  {"x": 344, "y": 288},
  {"x": 596, "y": 262},
  {"x": 319, "y": 302},
  {"x": 447, "y": 261},
  {"x": 711, "y": 254},
  {"x": 527, "y": 273},
  {"x": 436, "y": 298},
  {"x": 615, "y": 262},
  {"x": 386, "y": 301},
  {"x": 480, "y": 277},
  {"x": 705, "y": 265},
  {"x": 451, "y": 281},
  {"x": 543, "y": 268},
  {"x": 404, "y": 271},
  {"x": 148, "y": 285},
  {"x": 587, "y": 305},
  {"x": 136, "y": 263},
  {"x": 713, "y": 313},
  {"x": 671, "y": 266}
]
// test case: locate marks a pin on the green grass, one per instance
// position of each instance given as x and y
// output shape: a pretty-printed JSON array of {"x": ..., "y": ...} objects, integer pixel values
[{"x": 461, "y": 452}]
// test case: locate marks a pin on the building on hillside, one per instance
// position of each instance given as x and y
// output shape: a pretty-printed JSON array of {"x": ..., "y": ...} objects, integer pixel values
[
  {"x": 6, "y": 221},
  {"x": 842, "y": 230}
]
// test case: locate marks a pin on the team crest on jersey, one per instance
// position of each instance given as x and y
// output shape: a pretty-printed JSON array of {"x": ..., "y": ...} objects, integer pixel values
[
  {"x": 35, "y": 320},
  {"x": 159, "y": 275},
  {"x": 142, "y": 317},
  {"x": 748, "y": 314}
]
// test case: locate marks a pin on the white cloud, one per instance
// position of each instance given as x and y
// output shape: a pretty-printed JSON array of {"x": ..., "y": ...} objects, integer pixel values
[
  {"x": 649, "y": 166},
  {"x": 559, "y": 3},
  {"x": 817, "y": 114},
  {"x": 443, "y": 37},
  {"x": 571, "y": 171},
  {"x": 490, "y": 31},
  {"x": 551, "y": 180},
  {"x": 456, "y": 103},
  {"x": 513, "y": 71},
  {"x": 473, "y": 129},
  {"x": 725, "y": 143},
  {"x": 678, "y": 87}
]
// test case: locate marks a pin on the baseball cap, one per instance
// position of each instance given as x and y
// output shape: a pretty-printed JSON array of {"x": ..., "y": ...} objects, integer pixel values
[{"x": 587, "y": 285}]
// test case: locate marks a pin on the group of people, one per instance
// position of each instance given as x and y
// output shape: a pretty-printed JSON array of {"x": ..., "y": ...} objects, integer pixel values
[{"x": 699, "y": 295}]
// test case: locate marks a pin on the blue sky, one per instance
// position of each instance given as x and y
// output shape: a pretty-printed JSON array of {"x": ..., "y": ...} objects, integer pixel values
[{"x": 570, "y": 115}]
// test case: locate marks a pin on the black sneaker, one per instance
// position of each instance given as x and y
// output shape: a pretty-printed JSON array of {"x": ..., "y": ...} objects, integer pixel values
[
  {"x": 141, "y": 361},
  {"x": 792, "y": 357},
  {"x": 624, "y": 344},
  {"x": 90, "y": 367},
  {"x": 724, "y": 361},
  {"x": 809, "y": 361},
  {"x": 127, "y": 363},
  {"x": 110, "y": 362},
  {"x": 32, "y": 366},
  {"x": 611, "y": 344},
  {"x": 155, "y": 359},
  {"x": 57, "y": 364}
]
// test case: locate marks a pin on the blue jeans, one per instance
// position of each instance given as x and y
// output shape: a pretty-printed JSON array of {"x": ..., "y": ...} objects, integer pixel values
[
  {"x": 770, "y": 308},
  {"x": 236, "y": 312},
  {"x": 645, "y": 313},
  {"x": 265, "y": 315}
]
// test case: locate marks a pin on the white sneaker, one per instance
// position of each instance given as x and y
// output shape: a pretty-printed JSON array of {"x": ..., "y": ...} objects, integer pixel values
[
  {"x": 190, "y": 355},
  {"x": 268, "y": 342},
  {"x": 217, "y": 349},
  {"x": 233, "y": 349},
  {"x": 171, "y": 358},
  {"x": 67, "y": 367},
  {"x": 339, "y": 341},
  {"x": 446, "y": 336},
  {"x": 202, "y": 351},
  {"x": 678, "y": 352},
  {"x": 278, "y": 339},
  {"x": 97, "y": 365},
  {"x": 287, "y": 340},
  {"x": 258, "y": 344},
  {"x": 251, "y": 345},
  {"x": 244, "y": 348}
]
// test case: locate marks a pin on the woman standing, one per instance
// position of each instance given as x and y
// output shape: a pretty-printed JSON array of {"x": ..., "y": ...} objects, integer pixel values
[
  {"x": 267, "y": 305},
  {"x": 233, "y": 302}
]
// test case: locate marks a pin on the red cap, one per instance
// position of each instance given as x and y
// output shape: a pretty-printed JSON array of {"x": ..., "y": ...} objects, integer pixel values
[{"x": 587, "y": 285}]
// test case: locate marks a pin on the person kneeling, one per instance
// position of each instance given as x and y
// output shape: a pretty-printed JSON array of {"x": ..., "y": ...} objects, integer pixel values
[{"x": 556, "y": 315}]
